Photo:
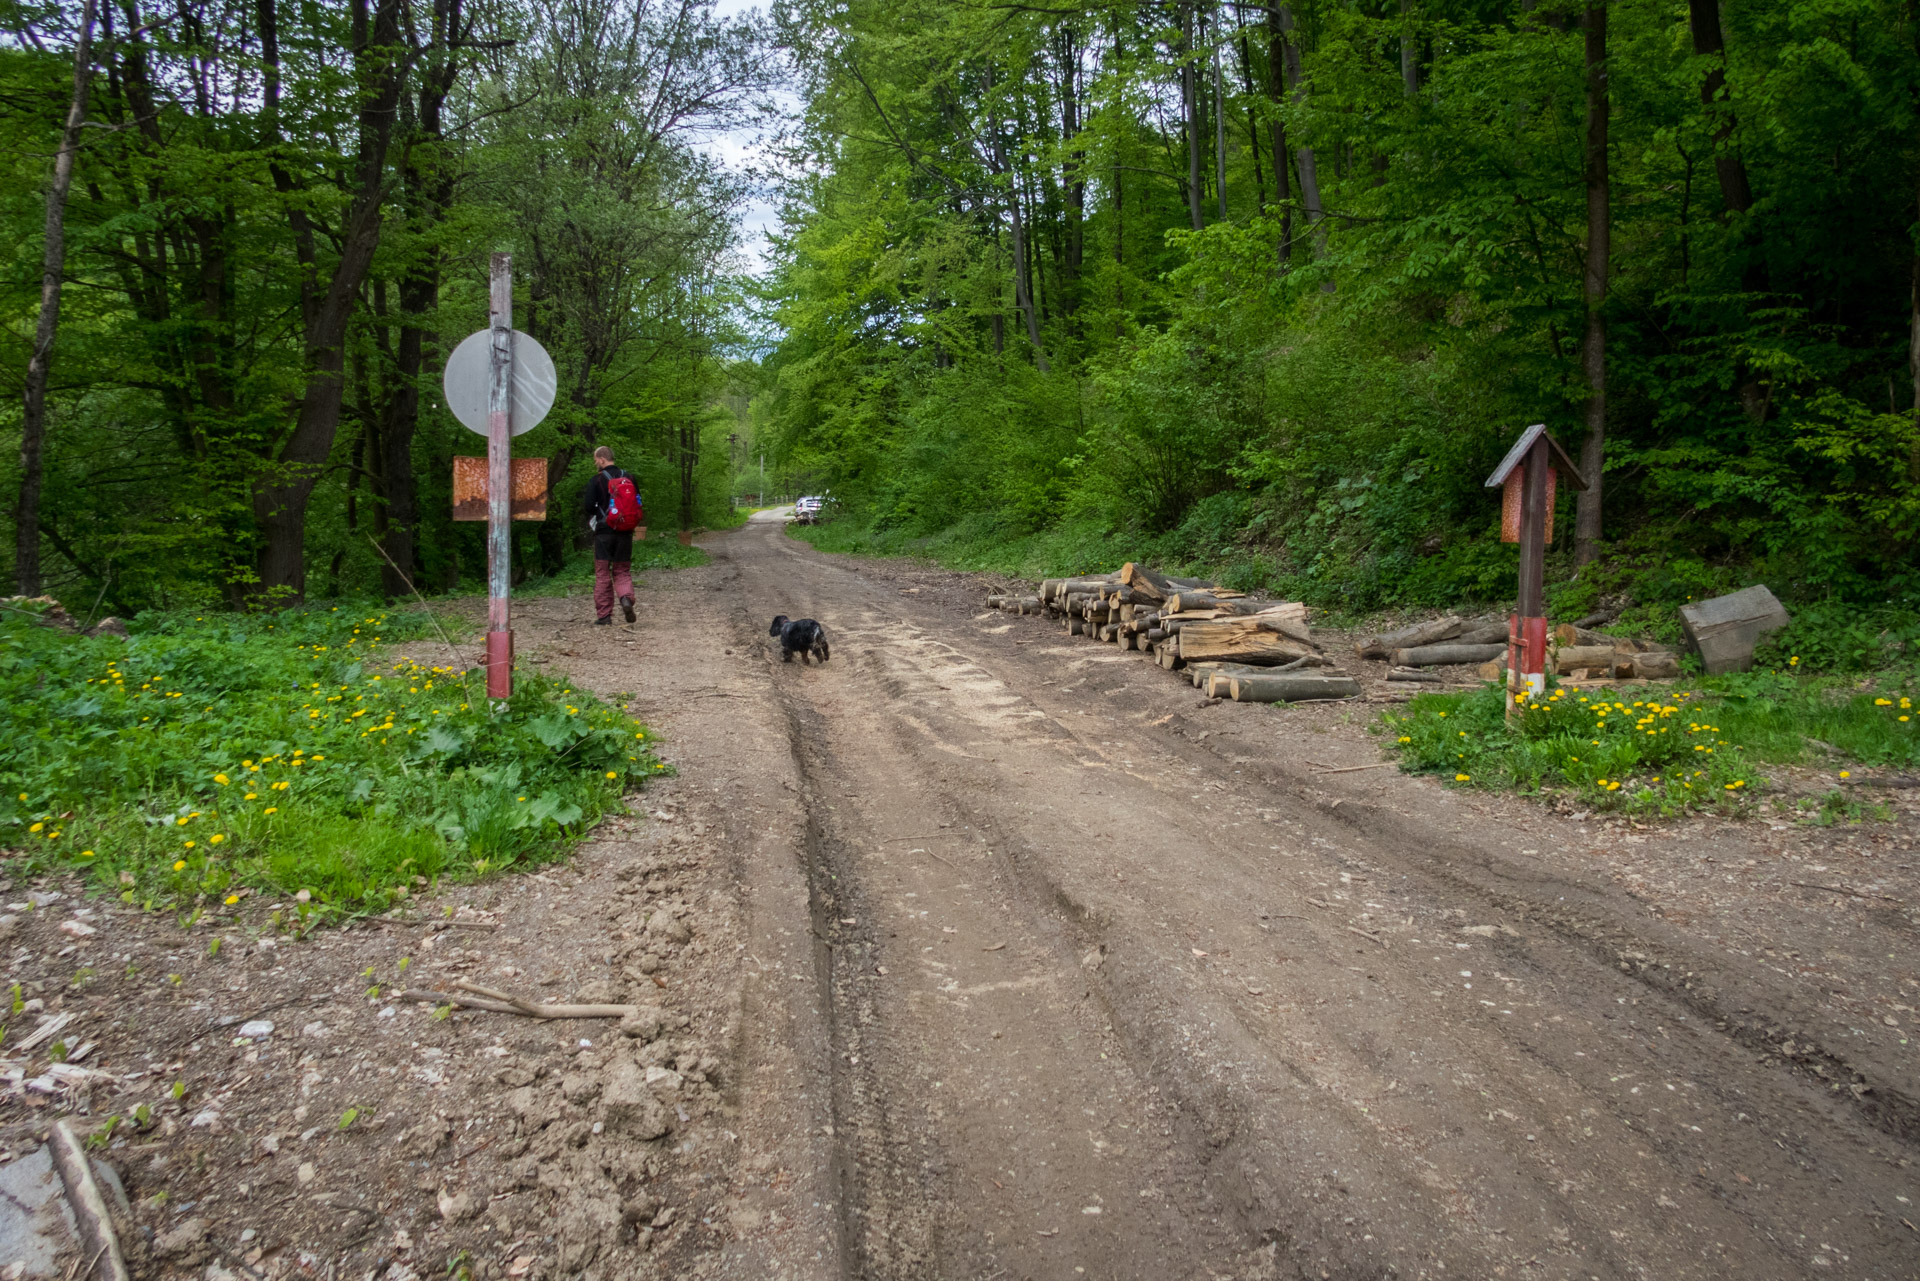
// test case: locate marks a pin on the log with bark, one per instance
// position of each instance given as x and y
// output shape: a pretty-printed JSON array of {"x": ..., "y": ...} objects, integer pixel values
[
  {"x": 1412, "y": 636},
  {"x": 1149, "y": 585},
  {"x": 1567, "y": 635},
  {"x": 1241, "y": 640},
  {"x": 1620, "y": 659},
  {"x": 1445, "y": 655},
  {"x": 1183, "y": 602},
  {"x": 1198, "y": 672},
  {"x": 1291, "y": 688}
]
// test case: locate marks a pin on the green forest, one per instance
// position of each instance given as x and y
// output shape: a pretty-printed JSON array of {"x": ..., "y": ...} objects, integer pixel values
[
  {"x": 1260, "y": 289},
  {"x": 1269, "y": 289},
  {"x": 246, "y": 236}
]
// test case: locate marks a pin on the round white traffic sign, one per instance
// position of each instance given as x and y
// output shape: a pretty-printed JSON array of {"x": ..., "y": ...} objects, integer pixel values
[{"x": 470, "y": 367}]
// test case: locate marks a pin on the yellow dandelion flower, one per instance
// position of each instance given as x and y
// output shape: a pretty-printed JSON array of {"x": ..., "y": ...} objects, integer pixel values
[
  {"x": 216, "y": 838},
  {"x": 180, "y": 866},
  {"x": 1462, "y": 778},
  {"x": 221, "y": 779},
  {"x": 231, "y": 899}
]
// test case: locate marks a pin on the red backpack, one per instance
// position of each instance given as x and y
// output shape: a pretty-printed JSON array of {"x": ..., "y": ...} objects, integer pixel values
[{"x": 624, "y": 512}]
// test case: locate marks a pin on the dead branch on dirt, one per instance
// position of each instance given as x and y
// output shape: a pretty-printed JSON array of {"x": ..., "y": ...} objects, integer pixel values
[
  {"x": 90, "y": 1215},
  {"x": 496, "y": 1002}
]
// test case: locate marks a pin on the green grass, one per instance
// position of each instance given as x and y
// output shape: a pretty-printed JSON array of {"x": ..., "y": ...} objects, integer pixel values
[
  {"x": 1651, "y": 750},
  {"x": 206, "y": 756},
  {"x": 659, "y": 550},
  {"x": 983, "y": 545}
]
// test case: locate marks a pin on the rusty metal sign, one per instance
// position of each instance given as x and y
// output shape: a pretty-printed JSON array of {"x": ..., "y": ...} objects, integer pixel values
[
  {"x": 529, "y": 497},
  {"x": 1511, "y": 492}
]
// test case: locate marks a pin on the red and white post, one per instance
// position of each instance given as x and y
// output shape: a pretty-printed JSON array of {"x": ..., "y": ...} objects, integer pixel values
[
  {"x": 500, "y": 478},
  {"x": 1527, "y": 628}
]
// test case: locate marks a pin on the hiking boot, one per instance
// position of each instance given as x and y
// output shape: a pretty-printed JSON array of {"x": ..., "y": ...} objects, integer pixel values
[
  {"x": 607, "y": 621},
  {"x": 626, "y": 607}
]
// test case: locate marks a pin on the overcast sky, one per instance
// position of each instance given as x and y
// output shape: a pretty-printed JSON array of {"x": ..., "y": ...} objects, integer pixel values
[{"x": 739, "y": 149}]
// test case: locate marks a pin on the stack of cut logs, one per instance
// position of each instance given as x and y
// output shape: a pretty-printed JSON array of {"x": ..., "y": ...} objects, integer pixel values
[
  {"x": 1233, "y": 646},
  {"x": 1574, "y": 652},
  {"x": 1224, "y": 641}
]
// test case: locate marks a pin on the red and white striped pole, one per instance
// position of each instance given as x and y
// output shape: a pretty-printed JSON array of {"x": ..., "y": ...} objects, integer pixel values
[
  {"x": 500, "y": 477},
  {"x": 1527, "y": 629}
]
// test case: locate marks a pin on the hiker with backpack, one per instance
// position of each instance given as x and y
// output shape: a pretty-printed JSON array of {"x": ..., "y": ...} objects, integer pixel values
[{"x": 613, "y": 513}]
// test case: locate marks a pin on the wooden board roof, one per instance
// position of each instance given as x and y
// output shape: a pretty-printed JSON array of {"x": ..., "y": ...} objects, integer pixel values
[{"x": 1562, "y": 463}]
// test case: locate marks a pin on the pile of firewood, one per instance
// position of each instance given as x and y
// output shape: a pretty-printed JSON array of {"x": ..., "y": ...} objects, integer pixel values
[
  {"x": 1232, "y": 645},
  {"x": 1225, "y": 641},
  {"x": 1574, "y": 652}
]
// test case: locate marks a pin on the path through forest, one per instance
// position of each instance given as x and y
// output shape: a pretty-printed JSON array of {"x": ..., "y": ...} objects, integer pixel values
[{"x": 1051, "y": 969}]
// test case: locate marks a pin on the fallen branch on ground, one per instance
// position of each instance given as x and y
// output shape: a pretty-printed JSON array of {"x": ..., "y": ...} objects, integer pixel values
[
  {"x": 486, "y": 998},
  {"x": 1841, "y": 889},
  {"x": 89, "y": 1207}
]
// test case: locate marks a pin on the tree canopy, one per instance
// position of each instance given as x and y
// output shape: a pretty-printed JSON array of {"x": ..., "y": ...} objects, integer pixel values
[
  {"x": 277, "y": 224},
  {"x": 1273, "y": 286}
]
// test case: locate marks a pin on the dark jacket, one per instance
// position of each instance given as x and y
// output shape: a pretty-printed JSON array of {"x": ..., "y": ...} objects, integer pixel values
[{"x": 596, "y": 499}]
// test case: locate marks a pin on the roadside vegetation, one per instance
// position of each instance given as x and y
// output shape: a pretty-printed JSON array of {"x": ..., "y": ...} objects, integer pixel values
[
  {"x": 1264, "y": 294},
  {"x": 1663, "y": 751},
  {"x": 205, "y": 757}
]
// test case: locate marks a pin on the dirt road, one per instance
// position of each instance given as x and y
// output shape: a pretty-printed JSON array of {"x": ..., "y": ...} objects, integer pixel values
[
  {"x": 984, "y": 953},
  {"x": 1049, "y": 970}
]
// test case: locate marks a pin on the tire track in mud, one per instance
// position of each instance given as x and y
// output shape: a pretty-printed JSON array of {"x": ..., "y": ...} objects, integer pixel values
[
  {"x": 1258, "y": 1132},
  {"x": 904, "y": 1214},
  {"x": 884, "y": 1166}
]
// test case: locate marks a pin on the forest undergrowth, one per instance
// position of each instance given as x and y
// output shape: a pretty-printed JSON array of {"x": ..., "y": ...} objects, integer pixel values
[
  {"x": 1666, "y": 750},
  {"x": 206, "y": 757}
]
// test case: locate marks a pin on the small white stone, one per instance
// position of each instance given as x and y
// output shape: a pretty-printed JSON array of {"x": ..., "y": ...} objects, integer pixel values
[{"x": 257, "y": 1028}]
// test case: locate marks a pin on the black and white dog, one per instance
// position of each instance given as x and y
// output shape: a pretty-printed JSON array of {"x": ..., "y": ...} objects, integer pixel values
[{"x": 800, "y": 636}]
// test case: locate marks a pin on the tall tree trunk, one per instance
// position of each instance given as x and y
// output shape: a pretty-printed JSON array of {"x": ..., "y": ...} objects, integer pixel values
[
  {"x": 689, "y": 457},
  {"x": 1303, "y": 156},
  {"x": 1219, "y": 127},
  {"x": 1703, "y": 18},
  {"x": 1709, "y": 42},
  {"x": 280, "y": 497},
  {"x": 429, "y": 184},
  {"x": 1913, "y": 357},
  {"x": 1253, "y": 123},
  {"x": 1073, "y": 174},
  {"x": 1593, "y": 353},
  {"x": 1409, "y": 52},
  {"x": 1913, "y": 323},
  {"x": 1190, "y": 105},
  {"x": 1282, "y": 165},
  {"x": 53, "y": 269},
  {"x": 1022, "y": 296}
]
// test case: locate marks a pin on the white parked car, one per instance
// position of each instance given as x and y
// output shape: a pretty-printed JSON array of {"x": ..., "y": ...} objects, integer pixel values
[{"x": 806, "y": 510}]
